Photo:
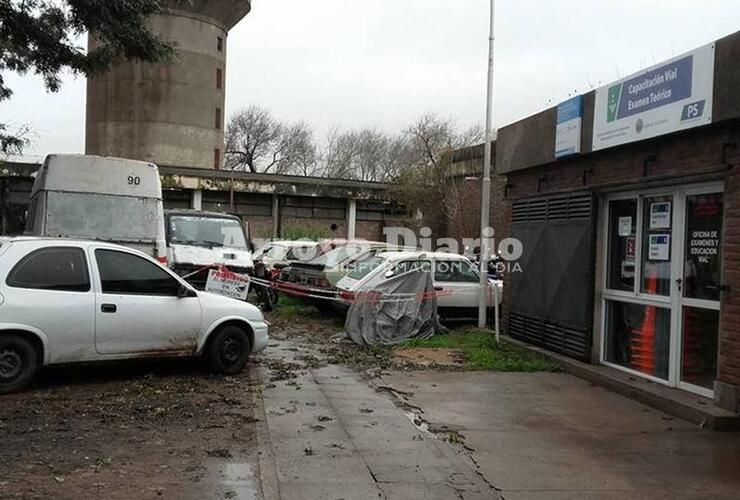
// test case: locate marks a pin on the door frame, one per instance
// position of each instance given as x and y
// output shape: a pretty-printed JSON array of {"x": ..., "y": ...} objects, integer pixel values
[{"x": 675, "y": 301}]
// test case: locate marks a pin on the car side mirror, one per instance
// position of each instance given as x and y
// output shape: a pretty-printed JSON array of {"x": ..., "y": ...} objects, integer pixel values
[
  {"x": 184, "y": 292},
  {"x": 389, "y": 274}
]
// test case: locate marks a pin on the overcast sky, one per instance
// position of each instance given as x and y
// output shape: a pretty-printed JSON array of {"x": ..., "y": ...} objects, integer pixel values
[{"x": 382, "y": 63}]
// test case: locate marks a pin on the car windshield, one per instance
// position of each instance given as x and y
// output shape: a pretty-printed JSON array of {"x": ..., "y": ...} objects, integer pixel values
[
  {"x": 206, "y": 231},
  {"x": 366, "y": 267},
  {"x": 338, "y": 255},
  {"x": 277, "y": 252}
]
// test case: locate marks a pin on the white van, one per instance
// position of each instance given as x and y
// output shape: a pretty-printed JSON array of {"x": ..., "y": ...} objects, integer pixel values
[{"x": 99, "y": 198}]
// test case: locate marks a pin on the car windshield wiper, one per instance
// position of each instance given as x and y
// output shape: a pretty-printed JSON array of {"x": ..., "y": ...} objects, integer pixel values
[{"x": 193, "y": 243}]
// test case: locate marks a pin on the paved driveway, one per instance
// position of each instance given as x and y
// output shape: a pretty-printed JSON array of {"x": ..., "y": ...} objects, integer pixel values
[
  {"x": 554, "y": 436},
  {"x": 334, "y": 437}
]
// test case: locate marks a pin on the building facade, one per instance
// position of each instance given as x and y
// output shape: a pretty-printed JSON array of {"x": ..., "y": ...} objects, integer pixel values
[{"x": 627, "y": 204}]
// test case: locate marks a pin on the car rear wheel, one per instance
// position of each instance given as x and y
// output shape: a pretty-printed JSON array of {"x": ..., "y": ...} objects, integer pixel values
[
  {"x": 18, "y": 363},
  {"x": 229, "y": 351}
]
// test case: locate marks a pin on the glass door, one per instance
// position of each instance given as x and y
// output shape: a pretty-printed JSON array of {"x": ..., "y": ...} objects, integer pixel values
[
  {"x": 662, "y": 285},
  {"x": 701, "y": 289},
  {"x": 638, "y": 292}
]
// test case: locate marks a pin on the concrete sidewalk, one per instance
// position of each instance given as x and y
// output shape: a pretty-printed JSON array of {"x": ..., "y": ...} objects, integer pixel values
[
  {"x": 554, "y": 436},
  {"x": 334, "y": 437}
]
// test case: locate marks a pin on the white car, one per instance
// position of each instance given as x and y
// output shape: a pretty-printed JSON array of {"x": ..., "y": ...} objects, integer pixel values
[
  {"x": 65, "y": 301},
  {"x": 456, "y": 280},
  {"x": 282, "y": 253}
]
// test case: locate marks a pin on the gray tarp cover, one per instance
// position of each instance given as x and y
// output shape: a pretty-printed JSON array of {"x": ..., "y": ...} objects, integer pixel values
[{"x": 384, "y": 318}]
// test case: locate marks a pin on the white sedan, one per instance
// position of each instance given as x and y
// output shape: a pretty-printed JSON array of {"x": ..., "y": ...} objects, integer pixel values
[
  {"x": 64, "y": 301},
  {"x": 456, "y": 280}
]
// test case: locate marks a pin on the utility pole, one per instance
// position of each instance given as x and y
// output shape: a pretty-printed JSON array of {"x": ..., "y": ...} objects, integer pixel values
[{"x": 486, "y": 187}]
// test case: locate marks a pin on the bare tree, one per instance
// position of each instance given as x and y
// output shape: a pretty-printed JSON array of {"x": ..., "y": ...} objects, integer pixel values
[
  {"x": 364, "y": 154},
  {"x": 300, "y": 155},
  {"x": 424, "y": 182},
  {"x": 258, "y": 142},
  {"x": 431, "y": 136}
]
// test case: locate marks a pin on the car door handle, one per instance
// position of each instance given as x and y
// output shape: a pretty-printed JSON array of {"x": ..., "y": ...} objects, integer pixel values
[
  {"x": 108, "y": 308},
  {"x": 439, "y": 289}
]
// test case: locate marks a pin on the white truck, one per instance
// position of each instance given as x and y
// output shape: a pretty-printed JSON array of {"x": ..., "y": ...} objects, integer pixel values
[
  {"x": 197, "y": 240},
  {"x": 99, "y": 198}
]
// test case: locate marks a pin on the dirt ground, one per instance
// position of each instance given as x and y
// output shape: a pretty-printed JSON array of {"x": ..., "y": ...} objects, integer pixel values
[
  {"x": 153, "y": 430},
  {"x": 426, "y": 357},
  {"x": 162, "y": 429}
]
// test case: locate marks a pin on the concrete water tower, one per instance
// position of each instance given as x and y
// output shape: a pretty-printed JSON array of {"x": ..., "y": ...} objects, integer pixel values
[{"x": 169, "y": 114}]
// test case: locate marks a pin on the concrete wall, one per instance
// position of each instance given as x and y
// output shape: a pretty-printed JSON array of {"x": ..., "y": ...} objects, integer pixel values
[{"x": 168, "y": 113}]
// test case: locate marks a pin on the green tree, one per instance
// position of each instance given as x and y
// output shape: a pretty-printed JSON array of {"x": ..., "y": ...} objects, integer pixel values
[{"x": 42, "y": 36}]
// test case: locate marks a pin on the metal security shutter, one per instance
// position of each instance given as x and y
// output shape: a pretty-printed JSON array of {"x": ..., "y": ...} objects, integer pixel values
[{"x": 551, "y": 300}]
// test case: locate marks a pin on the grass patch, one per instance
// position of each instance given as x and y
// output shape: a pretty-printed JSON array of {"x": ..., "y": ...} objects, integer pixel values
[
  {"x": 290, "y": 308},
  {"x": 480, "y": 351},
  {"x": 294, "y": 309}
]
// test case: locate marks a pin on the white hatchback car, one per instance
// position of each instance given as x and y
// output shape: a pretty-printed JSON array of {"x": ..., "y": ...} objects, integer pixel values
[
  {"x": 456, "y": 280},
  {"x": 64, "y": 301},
  {"x": 281, "y": 253}
]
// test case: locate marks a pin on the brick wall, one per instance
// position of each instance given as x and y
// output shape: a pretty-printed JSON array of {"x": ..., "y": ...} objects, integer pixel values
[
  {"x": 259, "y": 226},
  {"x": 322, "y": 226},
  {"x": 707, "y": 154},
  {"x": 369, "y": 230}
]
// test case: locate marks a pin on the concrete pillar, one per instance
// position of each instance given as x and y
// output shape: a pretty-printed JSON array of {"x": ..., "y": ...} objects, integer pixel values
[
  {"x": 196, "y": 200},
  {"x": 351, "y": 218},
  {"x": 276, "y": 216}
]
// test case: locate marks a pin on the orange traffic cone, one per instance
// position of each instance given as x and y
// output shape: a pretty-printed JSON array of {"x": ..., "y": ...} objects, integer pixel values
[{"x": 642, "y": 345}]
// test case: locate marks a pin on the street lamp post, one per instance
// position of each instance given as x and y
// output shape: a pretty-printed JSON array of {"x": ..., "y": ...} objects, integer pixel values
[{"x": 486, "y": 187}]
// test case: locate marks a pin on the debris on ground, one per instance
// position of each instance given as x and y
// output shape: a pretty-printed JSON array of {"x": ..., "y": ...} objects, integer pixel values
[{"x": 125, "y": 430}]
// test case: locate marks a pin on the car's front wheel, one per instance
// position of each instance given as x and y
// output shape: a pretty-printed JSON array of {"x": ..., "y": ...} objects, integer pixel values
[
  {"x": 229, "y": 350},
  {"x": 18, "y": 363}
]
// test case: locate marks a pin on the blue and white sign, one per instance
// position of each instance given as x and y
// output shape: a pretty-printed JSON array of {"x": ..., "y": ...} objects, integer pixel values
[
  {"x": 672, "y": 96},
  {"x": 568, "y": 134}
]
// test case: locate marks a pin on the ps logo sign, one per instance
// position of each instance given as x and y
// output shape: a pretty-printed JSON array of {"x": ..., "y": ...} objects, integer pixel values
[{"x": 693, "y": 110}]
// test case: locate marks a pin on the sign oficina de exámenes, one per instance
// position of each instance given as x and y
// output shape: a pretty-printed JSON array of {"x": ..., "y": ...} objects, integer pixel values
[{"x": 672, "y": 96}]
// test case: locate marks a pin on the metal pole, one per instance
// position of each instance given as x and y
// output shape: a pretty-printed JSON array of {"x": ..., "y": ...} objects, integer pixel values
[
  {"x": 496, "y": 312},
  {"x": 486, "y": 185}
]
